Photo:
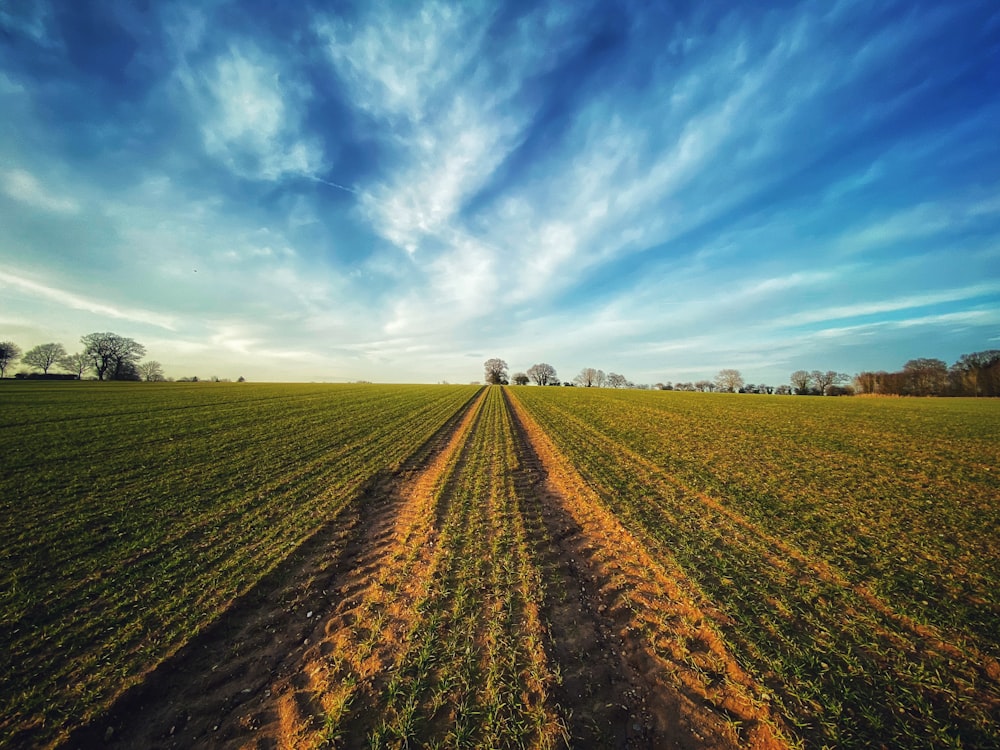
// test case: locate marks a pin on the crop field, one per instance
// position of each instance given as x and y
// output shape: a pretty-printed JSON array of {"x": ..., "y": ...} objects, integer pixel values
[{"x": 237, "y": 565}]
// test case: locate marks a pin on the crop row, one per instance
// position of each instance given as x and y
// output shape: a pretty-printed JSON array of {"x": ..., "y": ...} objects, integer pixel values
[
  {"x": 132, "y": 515},
  {"x": 822, "y": 537},
  {"x": 442, "y": 644}
]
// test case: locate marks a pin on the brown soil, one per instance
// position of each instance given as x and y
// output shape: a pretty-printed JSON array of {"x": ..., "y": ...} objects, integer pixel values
[
  {"x": 641, "y": 664},
  {"x": 640, "y": 660}
]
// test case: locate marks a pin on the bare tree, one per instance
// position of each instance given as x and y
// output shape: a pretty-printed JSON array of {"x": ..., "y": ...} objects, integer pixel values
[
  {"x": 927, "y": 377},
  {"x": 76, "y": 363},
  {"x": 800, "y": 380},
  {"x": 587, "y": 377},
  {"x": 600, "y": 380},
  {"x": 519, "y": 378},
  {"x": 112, "y": 356},
  {"x": 980, "y": 371},
  {"x": 824, "y": 380},
  {"x": 9, "y": 354},
  {"x": 866, "y": 382},
  {"x": 44, "y": 356},
  {"x": 617, "y": 381},
  {"x": 151, "y": 371},
  {"x": 729, "y": 380},
  {"x": 543, "y": 374},
  {"x": 496, "y": 371}
]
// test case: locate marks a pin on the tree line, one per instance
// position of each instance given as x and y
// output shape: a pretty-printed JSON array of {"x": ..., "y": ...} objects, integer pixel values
[
  {"x": 108, "y": 356},
  {"x": 975, "y": 374},
  {"x": 104, "y": 356},
  {"x": 496, "y": 373}
]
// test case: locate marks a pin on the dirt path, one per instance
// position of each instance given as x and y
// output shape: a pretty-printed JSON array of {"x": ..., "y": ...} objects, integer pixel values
[
  {"x": 642, "y": 665},
  {"x": 480, "y": 596}
]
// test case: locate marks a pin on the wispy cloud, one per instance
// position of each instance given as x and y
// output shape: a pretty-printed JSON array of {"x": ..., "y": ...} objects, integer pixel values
[
  {"x": 74, "y": 301},
  {"x": 25, "y": 188},
  {"x": 250, "y": 111},
  {"x": 908, "y": 302}
]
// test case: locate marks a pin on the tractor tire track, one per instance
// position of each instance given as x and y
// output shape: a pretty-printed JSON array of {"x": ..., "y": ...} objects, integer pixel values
[
  {"x": 641, "y": 664},
  {"x": 244, "y": 671}
]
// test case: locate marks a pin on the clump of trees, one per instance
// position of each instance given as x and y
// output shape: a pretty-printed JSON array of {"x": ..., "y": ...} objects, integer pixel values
[
  {"x": 112, "y": 356},
  {"x": 107, "y": 355},
  {"x": 543, "y": 374},
  {"x": 818, "y": 383},
  {"x": 975, "y": 374}
]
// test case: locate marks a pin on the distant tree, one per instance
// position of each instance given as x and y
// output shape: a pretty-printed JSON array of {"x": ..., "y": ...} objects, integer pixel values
[
  {"x": 729, "y": 380},
  {"x": 926, "y": 377},
  {"x": 543, "y": 374},
  {"x": 520, "y": 378},
  {"x": 151, "y": 371},
  {"x": 705, "y": 386},
  {"x": 76, "y": 363},
  {"x": 496, "y": 371},
  {"x": 800, "y": 380},
  {"x": 9, "y": 354},
  {"x": 783, "y": 390},
  {"x": 980, "y": 372},
  {"x": 824, "y": 380},
  {"x": 616, "y": 380},
  {"x": 43, "y": 356},
  {"x": 587, "y": 377},
  {"x": 113, "y": 357},
  {"x": 600, "y": 379},
  {"x": 241, "y": 379},
  {"x": 866, "y": 382}
]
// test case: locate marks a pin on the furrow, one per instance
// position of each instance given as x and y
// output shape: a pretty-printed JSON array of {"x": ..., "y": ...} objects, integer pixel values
[{"x": 641, "y": 661}]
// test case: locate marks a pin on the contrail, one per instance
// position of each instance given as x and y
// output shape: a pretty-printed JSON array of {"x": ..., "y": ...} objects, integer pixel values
[{"x": 332, "y": 184}]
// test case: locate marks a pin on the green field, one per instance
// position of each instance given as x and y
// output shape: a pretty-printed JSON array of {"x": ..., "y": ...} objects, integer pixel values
[
  {"x": 132, "y": 514},
  {"x": 821, "y": 571},
  {"x": 853, "y": 544}
]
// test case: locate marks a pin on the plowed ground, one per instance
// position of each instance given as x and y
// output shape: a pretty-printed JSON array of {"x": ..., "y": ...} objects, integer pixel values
[{"x": 481, "y": 596}]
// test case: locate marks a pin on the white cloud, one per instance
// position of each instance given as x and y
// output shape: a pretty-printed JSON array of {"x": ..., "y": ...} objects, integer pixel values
[
  {"x": 989, "y": 317},
  {"x": 250, "y": 109},
  {"x": 906, "y": 302},
  {"x": 397, "y": 64},
  {"x": 78, "y": 302},
  {"x": 25, "y": 188}
]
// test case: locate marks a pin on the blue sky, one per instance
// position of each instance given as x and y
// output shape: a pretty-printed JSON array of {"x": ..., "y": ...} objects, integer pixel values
[{"x": 398, "y": 191}]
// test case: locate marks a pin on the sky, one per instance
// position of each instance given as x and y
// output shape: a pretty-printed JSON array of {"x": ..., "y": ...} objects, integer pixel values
[{"x": 396, "y": 192}]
